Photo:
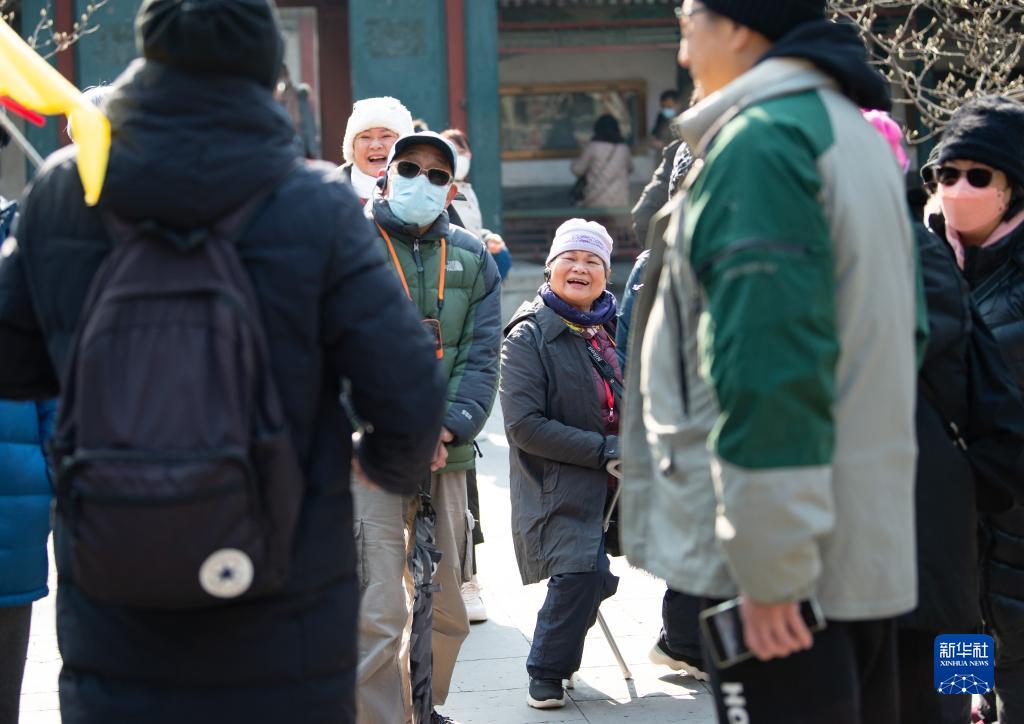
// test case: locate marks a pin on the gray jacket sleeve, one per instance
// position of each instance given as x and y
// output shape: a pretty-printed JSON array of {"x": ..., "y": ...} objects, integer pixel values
[
  {"x": 474, "y": 378},
  {"x": 655, "y": 193},
  {"x": 524, "y": 390}
]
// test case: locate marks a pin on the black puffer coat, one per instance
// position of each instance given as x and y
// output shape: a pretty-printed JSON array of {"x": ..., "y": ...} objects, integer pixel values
[
  {"x": 185, "y": 152},
  {"x": 963, "y": 380},
  {"x": 996, "y": 277}
]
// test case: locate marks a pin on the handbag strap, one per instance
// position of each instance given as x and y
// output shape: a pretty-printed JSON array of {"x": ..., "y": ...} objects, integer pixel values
[{"x": 607, "y": 372}]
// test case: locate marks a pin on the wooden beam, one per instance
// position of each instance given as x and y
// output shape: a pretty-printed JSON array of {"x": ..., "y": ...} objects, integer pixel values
[
  {"x": 455, "y": 31},
  {"x": 513, "y": 26},
  {"x": 64, "y": 23},
  {"x": 563, "y": 49}
]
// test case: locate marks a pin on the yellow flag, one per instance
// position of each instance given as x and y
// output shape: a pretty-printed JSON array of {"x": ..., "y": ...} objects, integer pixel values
[{"x": 26, "y": 78}]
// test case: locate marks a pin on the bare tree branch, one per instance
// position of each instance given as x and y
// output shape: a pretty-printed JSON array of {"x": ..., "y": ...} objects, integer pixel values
[
  {"x": 939, "y": 53},
  {"x": 45, "y": 38}
]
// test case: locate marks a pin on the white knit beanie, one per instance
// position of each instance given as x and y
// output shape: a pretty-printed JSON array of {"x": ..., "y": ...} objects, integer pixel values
[
  {"x": 582, "y": 235},
  {"x": 382, "y": 112}
]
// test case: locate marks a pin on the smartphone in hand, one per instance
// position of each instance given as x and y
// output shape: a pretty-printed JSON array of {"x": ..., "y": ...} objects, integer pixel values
[{"x": 722, "y": 628}]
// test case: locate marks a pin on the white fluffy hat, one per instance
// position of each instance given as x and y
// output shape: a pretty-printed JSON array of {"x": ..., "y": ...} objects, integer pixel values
[
  {"x": 582, "y": 235},
  {"x": 382, "y": 112}
]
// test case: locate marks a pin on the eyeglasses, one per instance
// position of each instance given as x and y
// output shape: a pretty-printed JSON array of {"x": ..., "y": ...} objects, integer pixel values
[
  {"x": 979, "y": 178},
  {"x": 687, "y": 14},
  {"x": 436, "y": 176}
]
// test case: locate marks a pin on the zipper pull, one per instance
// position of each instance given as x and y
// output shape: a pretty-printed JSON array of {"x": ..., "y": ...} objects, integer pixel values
[{"x": 416, "y": 255}]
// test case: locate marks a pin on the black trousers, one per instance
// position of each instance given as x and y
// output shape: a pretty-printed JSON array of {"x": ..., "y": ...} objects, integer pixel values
[
  {"x": 680, "y": 630},
  {"x": 15, "y": 624},
  {"x": 849, "y": 676},
  {"x": 569, "y": 610},
  {"x": 919, "y": 702},
  {"x": 1010, "y": 677}
]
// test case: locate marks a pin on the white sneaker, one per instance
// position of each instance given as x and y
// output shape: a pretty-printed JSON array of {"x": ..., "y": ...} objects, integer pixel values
[{"x": 474, "y": 604}]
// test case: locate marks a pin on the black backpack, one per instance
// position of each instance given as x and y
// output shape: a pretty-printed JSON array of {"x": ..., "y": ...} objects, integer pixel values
[{"x": 177, "y": 485}]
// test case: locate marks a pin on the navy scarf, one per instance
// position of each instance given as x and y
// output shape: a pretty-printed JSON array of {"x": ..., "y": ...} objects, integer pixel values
[{"x": 602, "y": 310}]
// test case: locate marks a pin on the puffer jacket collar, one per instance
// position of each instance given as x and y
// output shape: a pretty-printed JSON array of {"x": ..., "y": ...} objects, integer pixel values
[
  {"x": 980, "y": 262},
  {"x": 379, "y": 211},
  {"x": 771, "y": 78}
]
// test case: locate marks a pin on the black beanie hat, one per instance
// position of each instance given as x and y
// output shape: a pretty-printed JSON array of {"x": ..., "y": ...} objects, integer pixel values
[
  {"x": 988, "y": 130},
  {"x": 223, "y": 37},
  {"x": 773, "y": 18}
]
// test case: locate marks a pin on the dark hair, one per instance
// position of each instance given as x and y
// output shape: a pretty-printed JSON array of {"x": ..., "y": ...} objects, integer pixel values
[
  {"x": 458, "y": 137},
  {"x": 606, "y": 128},
  {"x": 671, "y": 94},
  {"x": 419, "y": 125}
]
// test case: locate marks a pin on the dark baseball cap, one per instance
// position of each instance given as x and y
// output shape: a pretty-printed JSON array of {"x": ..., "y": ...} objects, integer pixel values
[{"x": 425, "y": 138}]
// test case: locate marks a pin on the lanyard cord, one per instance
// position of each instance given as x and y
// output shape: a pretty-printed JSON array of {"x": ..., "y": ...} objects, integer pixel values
[
  {"x": 401, "y": 274},
  {"x": 609, "y": 395}
]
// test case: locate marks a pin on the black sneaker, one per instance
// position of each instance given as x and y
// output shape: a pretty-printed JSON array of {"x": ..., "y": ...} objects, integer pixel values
[
  {"x": 663, "y": 655},
  {"x": 546, "y": 694},
  {"x": 438, "y": 718}
]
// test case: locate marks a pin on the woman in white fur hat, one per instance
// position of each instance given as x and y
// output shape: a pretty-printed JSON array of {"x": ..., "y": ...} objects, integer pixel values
[{"x": 373, "y": 128}]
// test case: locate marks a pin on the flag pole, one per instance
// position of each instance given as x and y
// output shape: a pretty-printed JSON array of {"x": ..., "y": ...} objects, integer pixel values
[{"x": 19, "y": 137}]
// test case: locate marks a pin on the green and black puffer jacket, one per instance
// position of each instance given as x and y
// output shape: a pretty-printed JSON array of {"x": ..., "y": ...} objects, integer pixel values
[{"x": 470, "y": 316}]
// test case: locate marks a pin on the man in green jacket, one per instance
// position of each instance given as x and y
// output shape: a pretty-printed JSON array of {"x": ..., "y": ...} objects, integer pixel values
[
  {"x": 454, "y": 283},
  {"x": 776, "y": 344}
]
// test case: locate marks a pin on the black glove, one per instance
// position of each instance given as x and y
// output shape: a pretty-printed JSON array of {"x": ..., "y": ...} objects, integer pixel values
[{"x": 611, "y": 449}]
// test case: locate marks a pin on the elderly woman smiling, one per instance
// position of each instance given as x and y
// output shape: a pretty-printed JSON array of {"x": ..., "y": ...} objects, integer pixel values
[{"x": 560, "y": 379}]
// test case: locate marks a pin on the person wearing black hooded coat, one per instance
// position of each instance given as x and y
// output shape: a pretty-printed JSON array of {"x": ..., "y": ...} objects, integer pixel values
[
  {"x": 195, "y": 134},
  {"x": 984, "y": 225},
  {"x": 963, "y": 381}
]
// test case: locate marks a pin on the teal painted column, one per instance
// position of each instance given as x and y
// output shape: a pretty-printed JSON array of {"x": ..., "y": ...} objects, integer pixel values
[
  {"x": 398, "y": 49},
  {"x": 101, "y": 56},
  {"x": 482, "y": 111}
]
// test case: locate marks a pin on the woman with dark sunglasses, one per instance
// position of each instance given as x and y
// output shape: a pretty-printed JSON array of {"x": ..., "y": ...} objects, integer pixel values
[{"x": 978, "y": 186}]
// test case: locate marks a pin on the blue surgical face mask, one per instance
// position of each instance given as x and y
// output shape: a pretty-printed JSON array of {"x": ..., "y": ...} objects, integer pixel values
[
  {"x": 669, "y": 113},
  {"x": 416, "y": 200}
]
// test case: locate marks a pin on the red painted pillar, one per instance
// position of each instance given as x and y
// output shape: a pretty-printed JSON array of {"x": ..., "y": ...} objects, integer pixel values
[
  {"x": 64, "y": 23},
  {"x": 455, "y": 27}
]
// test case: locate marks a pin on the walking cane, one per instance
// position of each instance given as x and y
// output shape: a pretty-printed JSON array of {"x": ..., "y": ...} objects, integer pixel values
[{"x": 615, "y": 468}]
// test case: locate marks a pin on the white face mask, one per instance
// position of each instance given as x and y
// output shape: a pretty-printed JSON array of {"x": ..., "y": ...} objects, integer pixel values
[
  {"x": 462, "y": 167},
  {"x": 416, "y": 200}
]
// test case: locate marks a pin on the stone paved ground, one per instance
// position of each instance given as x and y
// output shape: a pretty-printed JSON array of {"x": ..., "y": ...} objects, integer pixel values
[{"x": 490, "y": 681}]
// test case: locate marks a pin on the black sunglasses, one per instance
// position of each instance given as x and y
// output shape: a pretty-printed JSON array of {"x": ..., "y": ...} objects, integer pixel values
[
  {"x": 436, "y": 176},
  {"x": 979, "y": 178}
]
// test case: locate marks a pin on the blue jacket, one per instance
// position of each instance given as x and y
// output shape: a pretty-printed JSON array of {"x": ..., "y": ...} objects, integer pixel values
[{"x": 24, "y": 500}]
